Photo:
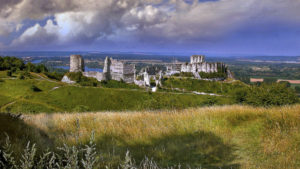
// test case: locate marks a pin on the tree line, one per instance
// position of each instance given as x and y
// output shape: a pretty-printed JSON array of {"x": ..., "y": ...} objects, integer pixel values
[{"x": 14, "y": 64}]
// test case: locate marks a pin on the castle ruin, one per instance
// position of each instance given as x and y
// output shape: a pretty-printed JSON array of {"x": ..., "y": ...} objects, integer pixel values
[
  {"x": 123, "y": 71},
  {"x": 113, "y": 69},
  {"x": 118, "y": 70},
  {"x": 197, "y": 64}
]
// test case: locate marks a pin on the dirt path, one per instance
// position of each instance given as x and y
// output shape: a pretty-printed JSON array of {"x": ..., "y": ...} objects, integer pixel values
[
  {"x": 11, "y": 78},
  {"x": 7, "y": 104},
  {"x": 146, "y": 91},
  {"x": 54, "y": 88},
  {"x": 43, "y": 78}
]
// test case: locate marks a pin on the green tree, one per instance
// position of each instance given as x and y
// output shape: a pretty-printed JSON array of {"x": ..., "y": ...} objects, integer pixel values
[
  {"x": 7, "y": 63},
  {"x": 30, "y": 67},
  {"x": 297, "y": 88},
  {"x": 41, "y": 69}
]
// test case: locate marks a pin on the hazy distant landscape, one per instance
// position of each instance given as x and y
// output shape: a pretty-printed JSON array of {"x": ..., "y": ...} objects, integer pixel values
[{"x": 243, "y": 67}]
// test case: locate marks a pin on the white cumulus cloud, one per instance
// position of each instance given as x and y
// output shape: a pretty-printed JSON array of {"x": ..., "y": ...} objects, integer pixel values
[{"x": 147, "y": 21}]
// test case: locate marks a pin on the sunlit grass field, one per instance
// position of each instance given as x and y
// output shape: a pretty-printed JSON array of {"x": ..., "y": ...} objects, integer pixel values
[
  {"x": 181, "y": 129},
  {"x": 210, "y": 137},
  {"x": 18, "y": 96}
]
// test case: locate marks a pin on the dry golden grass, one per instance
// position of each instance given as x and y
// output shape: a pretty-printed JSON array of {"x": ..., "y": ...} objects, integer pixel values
[{"x": 260, "y": 137}]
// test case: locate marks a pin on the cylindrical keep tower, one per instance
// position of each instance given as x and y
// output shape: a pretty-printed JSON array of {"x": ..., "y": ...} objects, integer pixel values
[{"x": 76, "y": 63}]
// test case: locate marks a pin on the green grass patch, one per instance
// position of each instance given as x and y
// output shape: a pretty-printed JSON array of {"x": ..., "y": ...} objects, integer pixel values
[
  {"x": 23, "y": 88},
  {"x": 39, "y": 95},
  {"x": 202, "y": 85},
  {"x": 26, "y": 106},
  {"x": 5, "y": 100},
  {"x": 3, "y": 74},
  {"x": 118, "y": 84},
  {"x": 68, "y": 98}
]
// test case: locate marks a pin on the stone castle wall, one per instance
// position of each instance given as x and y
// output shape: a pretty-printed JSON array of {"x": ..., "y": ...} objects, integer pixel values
[
  {"x": 116, "y": 70},
  {"x": 97, "y": 75},
  {"x": 200, "y": 67},
  {"x": 120, "y": 70}
]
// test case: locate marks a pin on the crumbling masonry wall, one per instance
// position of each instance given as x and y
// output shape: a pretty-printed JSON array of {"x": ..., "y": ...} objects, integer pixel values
[
  {"x": 113, "y": 69},
  {"x": 120, "y": 70}
]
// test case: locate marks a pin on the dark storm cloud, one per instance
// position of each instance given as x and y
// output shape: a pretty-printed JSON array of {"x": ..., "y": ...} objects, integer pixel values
[
  {"x": 6, "y": 7},
  {"x": 152, "y": 24}
]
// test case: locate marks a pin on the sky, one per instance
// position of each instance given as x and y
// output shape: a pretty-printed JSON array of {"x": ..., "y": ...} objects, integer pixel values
[{"x": 224, "y": 27}]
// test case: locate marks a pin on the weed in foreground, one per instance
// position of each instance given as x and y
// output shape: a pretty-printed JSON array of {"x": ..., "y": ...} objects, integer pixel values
[{"x": 69, "y": 157}]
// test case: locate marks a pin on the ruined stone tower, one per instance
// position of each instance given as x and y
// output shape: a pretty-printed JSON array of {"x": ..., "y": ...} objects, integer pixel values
[
  {"x": 197, "y": 59},
  {"x": 106, "y": 69},
  {"x": 76, "y": 63}
]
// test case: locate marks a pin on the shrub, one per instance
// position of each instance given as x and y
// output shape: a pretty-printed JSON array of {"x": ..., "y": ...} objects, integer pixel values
[
  {"x": 24, "y": 75},
  {"x": 13, "y": 69},
  {"x": 82, "y": 80},
  {"x": 297, "y": 88},
  {"x": 88, "y": 81},
  {"x": 184, "y": 74},
  {"x": 35, "y": 88},
  {"x": 189, "y": 84},
  {"x": 9, "y": 73},
  {"x": 81, "y": 108},
  {"x": 54, "y": 75},
  {"x": 275, "y": 94},
  {"x": 240, "y": 95},
  {"x": 270, "y": 80},
  {"x": 21, "y": 76},
  {"x": 212, "y": 75},
  {"x": 152, "y": 82},
  {"x": 118, "y": 84},
  {"x": 75, "y": 76},
  {"x": 210, "y": 101},
  {"x": 286, "y": 83}
]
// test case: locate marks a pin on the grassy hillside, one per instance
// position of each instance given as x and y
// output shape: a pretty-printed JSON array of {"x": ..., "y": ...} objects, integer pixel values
[
  {"x": 39, "y": 94},
  {"x": 209, "y": 137},
  {"x": 203, "y": 86}
]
